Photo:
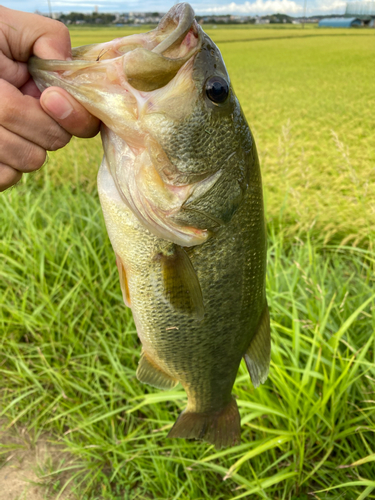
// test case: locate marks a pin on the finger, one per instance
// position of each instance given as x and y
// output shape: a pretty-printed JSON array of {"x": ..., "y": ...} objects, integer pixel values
[
  {"x": 12, "y": 71},
  {"x": 23, "y": 34},
  {"x": 24, "y": 116},
  {"x": 69, "y": 113},
  {"x": 29, "y": 34},
  {"x": 29, "y": 88},
  {"x": 19, "y": 153},
  {"x": 8, "y": 176}
]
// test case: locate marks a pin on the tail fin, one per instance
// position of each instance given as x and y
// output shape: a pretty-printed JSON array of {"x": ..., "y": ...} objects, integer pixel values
[{"x": 222, "y": 428}]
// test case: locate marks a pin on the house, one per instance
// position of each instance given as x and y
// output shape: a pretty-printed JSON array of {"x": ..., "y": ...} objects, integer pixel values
[{"x": 339, "y": 22}]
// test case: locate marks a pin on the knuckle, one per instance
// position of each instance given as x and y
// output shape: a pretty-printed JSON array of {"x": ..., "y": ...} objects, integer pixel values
[
  {"x": 8, "y": 109},
  {"x": 58, "y": 139},
  {"x": 60, "y": 29},
  {"x": 34, "y": 158}
]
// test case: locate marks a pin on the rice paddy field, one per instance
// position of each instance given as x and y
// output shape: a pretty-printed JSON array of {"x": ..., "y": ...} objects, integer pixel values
[{"x": 68, "y": 346}]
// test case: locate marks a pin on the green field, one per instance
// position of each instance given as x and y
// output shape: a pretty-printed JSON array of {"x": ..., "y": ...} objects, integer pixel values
[{"x": 68, "y": 346}]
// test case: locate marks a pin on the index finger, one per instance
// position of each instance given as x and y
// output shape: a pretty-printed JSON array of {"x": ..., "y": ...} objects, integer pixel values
[{"x": 25, "y": 34}]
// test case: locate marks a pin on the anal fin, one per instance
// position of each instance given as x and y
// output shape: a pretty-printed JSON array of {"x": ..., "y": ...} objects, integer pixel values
[
  {"x": 258, "y": 355},
  {"x": 181, "y": 284},
  {"x": 149, "y": 373}
]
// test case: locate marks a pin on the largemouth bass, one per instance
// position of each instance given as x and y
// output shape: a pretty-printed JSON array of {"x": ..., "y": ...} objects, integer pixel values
[{"x": 181, "y": 193}]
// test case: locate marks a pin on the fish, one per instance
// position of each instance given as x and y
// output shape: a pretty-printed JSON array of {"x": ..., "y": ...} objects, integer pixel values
[{"x": 181, "y": 193}]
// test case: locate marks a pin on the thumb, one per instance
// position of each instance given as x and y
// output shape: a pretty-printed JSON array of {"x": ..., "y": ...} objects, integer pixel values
[{"x": 69, "y": 113}]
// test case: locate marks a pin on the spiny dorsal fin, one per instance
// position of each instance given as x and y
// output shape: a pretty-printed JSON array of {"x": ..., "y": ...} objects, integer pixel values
[
  {"x": 181, "y": 284},
  {"x": 149, "y": 373},
  {"x": 258, "y": 355}
]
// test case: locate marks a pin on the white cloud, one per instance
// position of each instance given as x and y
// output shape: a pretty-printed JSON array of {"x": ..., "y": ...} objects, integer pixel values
[
  {"x": 257, "y": 7},
  {"x": 80, "y": 4},
  {"x": 261, "y": 7},
  {"x": 330, "y": 6}
]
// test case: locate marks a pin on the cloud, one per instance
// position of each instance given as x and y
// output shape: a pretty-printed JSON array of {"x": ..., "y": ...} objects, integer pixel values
[
  {"x": 89, "y": 5},
  {"x": 119, "y": 5},
  {"x": 330, "y": 6},
  {"x": 83, "y": 4},
  {"x": 257, "y": 7},
  {"x": 261, "y": 7}
]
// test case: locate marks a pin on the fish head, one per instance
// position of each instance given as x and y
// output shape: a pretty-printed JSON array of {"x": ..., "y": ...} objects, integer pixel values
[{"x": 172, "y": 126}]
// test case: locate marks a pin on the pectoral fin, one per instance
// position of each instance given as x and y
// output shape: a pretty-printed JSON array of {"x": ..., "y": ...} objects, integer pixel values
[
  {"x": 123, "y": 281},
  {"x": 149, "y": 373},
  {"x": 258, "y": 355},
  {"x": 181, "y": 284}
]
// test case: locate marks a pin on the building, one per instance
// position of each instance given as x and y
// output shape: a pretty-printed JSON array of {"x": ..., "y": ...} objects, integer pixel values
[
  {"x": 365, "y": 11},
  {"x": 339, "y": 22}
]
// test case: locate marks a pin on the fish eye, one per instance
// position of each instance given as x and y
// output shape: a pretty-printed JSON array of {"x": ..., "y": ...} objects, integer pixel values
[{"x": 217, "y": 89}]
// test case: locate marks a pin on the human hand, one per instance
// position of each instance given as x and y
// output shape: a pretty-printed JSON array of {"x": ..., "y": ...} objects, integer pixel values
[{"x": 32, "y": 123}]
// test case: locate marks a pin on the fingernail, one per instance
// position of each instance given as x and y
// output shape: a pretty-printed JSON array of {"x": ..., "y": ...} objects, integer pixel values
[{"x": 56, "y": 105}]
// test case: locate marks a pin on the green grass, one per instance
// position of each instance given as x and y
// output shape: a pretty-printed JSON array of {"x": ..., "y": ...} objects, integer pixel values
[
  {"x": 308, "y": 102},
  {"x": 68, "y": 346}
]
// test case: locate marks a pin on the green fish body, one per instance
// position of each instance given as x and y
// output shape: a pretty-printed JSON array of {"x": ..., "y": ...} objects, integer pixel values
[{"x": 181, "y": 193}]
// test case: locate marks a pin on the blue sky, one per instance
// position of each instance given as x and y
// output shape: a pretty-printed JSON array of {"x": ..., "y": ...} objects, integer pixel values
[{"x": 292, "y": 7}]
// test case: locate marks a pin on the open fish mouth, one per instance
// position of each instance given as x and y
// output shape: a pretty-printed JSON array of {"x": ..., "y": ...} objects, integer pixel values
[
  {"x": 145, "y": 62},
  {"x": 149, "y": 61},
  {"x": 122, "y": 80}
]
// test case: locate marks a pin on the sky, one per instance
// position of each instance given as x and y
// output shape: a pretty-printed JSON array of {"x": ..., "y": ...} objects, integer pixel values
[{"x": 251, "y": 7}]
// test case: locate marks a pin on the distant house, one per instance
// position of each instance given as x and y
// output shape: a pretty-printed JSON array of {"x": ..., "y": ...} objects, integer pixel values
[
  {"x": 339, "y": 22},
  {"x": 365, "y": 11}
]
